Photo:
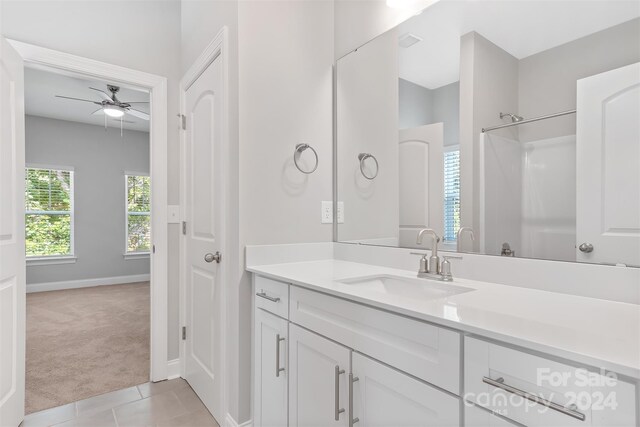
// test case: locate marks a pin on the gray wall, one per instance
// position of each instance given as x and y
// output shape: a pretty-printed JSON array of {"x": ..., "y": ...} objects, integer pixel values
[
  {"x": 421, "y": 106},
  {"x": 99, "y": 158},
  {"x": 547, "y": 80}
]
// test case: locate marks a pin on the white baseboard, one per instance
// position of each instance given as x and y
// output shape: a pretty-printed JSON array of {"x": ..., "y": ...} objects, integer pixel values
[
  {"x": 173, "y": 369},
  {"x": 86, "y": 283},
  {"x": 230, "y": 422}
]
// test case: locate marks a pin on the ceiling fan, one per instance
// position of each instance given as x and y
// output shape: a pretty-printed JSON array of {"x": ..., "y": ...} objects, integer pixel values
[{"x": 111, "y": 105}]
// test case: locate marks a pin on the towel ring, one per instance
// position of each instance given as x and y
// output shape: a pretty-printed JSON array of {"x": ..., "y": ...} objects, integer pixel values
[
  {"x": 364, "y": 156},
  {"x": 296, "y": 155}
]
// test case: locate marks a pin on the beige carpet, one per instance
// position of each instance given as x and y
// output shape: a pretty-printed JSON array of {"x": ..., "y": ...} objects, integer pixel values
[{"x": 85, "y": 342}]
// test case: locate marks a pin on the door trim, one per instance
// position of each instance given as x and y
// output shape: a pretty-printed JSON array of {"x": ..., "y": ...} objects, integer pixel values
[
  {"x": 65, "y": 63},
  {"x": 217, "y": 49}
]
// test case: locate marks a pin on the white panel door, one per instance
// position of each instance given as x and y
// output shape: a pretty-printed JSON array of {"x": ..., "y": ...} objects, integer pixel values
[
  {"x": 270, "y": 370},
  {"x": 319, "y": 369},
  {"x": 385, "y": 397},
  {"x": 203, "y": 213},
  {"x": 608, "y": 176},
  {"x": 12, "y": 251},
  {"x": 421, "y": 182}
]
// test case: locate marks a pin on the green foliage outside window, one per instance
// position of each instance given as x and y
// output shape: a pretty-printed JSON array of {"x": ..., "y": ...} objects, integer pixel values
[
  {"x": 138, "y": 213},
  {"x": 48, "y": 201}
]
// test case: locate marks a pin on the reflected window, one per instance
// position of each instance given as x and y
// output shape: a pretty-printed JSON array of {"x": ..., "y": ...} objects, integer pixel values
[{"x": 451, "y": 194}]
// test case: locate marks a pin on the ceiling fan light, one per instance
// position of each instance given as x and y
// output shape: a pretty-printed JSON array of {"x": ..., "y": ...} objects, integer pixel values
[{"x": 112, "y": 111}]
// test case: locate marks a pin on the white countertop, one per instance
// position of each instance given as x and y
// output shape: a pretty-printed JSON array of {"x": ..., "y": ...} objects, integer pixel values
[{"x": 595, "y": 332}]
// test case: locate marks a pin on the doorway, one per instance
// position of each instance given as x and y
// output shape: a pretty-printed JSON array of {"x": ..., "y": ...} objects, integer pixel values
[
  {"x": 87, "y": 237},
  {"x": 17, "y": 56}
]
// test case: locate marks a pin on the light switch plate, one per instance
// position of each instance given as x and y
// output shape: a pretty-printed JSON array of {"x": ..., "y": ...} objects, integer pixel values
[
  {"x": 340, "y": 212},
  {"x": 326, "y": 212},
  {"x": 173, "y": 214}
]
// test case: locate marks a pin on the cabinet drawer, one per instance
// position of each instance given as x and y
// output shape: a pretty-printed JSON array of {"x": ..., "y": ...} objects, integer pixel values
[
  {"x": 272, "y": 296},
  {"x": 420, "y": 349},
  {"x": 496, "y": 377}
]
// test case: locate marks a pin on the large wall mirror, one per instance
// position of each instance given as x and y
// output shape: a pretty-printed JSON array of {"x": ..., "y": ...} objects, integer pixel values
[{"x": 508, "y": 127}]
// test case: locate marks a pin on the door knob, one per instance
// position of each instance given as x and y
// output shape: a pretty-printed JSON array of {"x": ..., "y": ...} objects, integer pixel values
[
  {"x": 586, "y": 247},
  {"x": 217, "y": 257}
]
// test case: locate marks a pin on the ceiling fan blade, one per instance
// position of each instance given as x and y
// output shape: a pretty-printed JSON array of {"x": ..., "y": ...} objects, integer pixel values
[
  {"x": 77, "y": 99},
  {"x": 138, "y": 114},
  {"x": 98, "y": 111},
  {"x": 102, "y": 94},
  {"x": 135, "y": 102}
]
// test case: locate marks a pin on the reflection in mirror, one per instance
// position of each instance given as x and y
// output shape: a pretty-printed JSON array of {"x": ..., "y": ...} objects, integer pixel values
[{"x": 509, "y": 128}]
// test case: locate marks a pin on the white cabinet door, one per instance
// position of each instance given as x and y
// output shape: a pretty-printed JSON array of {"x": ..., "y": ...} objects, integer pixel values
[
  {"x": 385, "y": 397},
  {"x": 608, "y": 177},
  {"x": 318, "y": 376},
  {"x": 271, "y": 373}
]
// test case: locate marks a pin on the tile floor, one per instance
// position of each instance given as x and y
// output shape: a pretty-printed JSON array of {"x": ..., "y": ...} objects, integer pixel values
[{"x": 169, "y": 403}]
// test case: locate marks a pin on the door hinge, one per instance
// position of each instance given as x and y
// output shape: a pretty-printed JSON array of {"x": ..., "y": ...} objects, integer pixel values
[
  {"x": 184, "y": 332},
  {"x": 184, "y": 227},
  {"x": 183, "y": 121},
  {"x": 153, "y": 249}
]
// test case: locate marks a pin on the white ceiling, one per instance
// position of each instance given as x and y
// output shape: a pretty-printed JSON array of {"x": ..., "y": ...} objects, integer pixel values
[
  {"x": 41, "y": 88},
  {"x": 521, "y": 27}
]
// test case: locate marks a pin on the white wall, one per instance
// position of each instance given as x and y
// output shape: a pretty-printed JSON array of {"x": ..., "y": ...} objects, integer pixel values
[
  {"x": 368, "y": 123},
  {"x": 488, "y": 85},
  {"x": 358, "y": 21},
  {"x": 99, "y": 159},
  {"x": 420, "y": 106},
  {"x": 143, "y": 35}
]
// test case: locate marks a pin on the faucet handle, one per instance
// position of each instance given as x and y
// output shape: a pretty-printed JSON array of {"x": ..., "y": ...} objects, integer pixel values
[{"x": 445, "y": 268}]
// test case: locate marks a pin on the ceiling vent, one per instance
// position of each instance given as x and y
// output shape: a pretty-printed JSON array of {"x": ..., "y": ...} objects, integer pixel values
[{"x": 408, "y": 40}]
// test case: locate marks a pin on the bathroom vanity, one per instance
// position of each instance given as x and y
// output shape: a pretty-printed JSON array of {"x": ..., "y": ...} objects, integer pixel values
[{"x": 345, "y": 343}]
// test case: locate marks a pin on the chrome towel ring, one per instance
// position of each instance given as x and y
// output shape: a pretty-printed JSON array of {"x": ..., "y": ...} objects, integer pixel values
[
  {"x": 364, "y": 156},
  {"x": 296, "y": 156}
]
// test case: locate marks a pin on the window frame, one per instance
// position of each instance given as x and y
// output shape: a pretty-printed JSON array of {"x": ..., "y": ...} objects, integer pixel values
[
  {"x": 448, "y": 149},
  {"x": 55, "y": 259},
  {"x": 127, "y": 253}
]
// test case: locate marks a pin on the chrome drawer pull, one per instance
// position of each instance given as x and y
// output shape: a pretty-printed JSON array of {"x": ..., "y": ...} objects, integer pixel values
[
  {"x": 499, "y": 383},
  {"x": 263, "y": 294},
  {"x": 352, "y": 420},
  {"x": 338, "y": 409},
  {"x": 278, "y": 368}
]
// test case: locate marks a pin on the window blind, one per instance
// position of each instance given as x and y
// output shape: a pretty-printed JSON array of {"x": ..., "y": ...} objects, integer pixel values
[
  {"x": 48, "y": 212},
  {"x": 451, "y": 194},
  {"x": 138, "y": 213}
]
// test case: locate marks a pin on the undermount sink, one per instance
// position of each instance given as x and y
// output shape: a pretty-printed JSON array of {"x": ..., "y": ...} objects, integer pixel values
[{"x": 406, "y": 287}]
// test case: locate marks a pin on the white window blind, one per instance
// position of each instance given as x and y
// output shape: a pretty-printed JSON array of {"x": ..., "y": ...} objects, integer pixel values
[
  {"x": 451, "y": 194},
  {"x": 138, "y": 213},
  {"x": 48, "y": 212}
]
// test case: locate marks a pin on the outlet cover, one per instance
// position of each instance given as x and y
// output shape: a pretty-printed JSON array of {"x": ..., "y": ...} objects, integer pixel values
[
  {"x": 340, "y": 212},
  {"x": 326, "y": 212}
]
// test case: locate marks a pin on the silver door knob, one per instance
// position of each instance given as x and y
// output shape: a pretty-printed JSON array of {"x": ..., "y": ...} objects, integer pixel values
[
  {"x": 586, "y": 247},
  {"x": 217, "y": 257}
]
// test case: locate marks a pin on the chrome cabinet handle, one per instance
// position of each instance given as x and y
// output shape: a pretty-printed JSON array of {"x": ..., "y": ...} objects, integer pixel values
[
  {"x": 499, "y": 383},
  {"x": 278, "y": 368},
  {"x": 352, "y": 420},
  {"x": 263, "y": 294},
  {"x": 338, "y": 409},
  {"x": 586, "y": 248}
]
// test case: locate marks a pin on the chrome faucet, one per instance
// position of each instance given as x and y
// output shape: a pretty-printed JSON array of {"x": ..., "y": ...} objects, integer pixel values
[
  {"x": 434, "y": 261},
  {"x": 462, "y": 230}
]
